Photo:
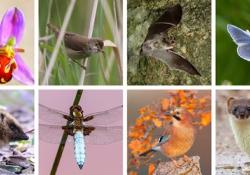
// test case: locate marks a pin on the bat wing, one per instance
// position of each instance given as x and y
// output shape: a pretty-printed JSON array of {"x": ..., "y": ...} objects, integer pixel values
[
  {"x": 173, "y": 60},
  {"x": 170, "y": 18},
  {"x": 238, "y": 35}
]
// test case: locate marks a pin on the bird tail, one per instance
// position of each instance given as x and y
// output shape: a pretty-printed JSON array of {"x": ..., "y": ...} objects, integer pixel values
[{"x": 147, "y": 152}]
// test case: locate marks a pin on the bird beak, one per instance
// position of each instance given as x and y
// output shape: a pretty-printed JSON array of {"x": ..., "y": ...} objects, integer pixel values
[
  {"x": 173, "y": 115},
  {"x": 176, "y": 117}
]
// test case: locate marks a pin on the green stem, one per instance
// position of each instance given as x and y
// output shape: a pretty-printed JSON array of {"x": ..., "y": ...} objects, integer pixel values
[{"x": 64, "y": 138}]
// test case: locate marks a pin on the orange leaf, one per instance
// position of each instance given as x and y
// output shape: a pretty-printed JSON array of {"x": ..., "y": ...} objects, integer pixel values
[
  {"x": 165, "y": 104},
  {"x": 205, "y": 118},
  {"x": 151, "y": 169},
  {"x": 132, "y": 173},
  {"x": 157, "y": 122}
]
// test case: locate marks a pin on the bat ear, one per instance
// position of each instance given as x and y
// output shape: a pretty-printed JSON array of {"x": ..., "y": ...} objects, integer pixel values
[{"x": 229, "y": 103}]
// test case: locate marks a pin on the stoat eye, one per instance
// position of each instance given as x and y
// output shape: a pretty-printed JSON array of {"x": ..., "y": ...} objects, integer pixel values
[
  {"x": 234, "y": 110},
  {"x": 248, "y": 108}
]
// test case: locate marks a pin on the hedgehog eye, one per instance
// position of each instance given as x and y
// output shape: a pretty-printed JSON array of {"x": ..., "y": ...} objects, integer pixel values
[
  {"x": 12, "y": 127},
  {"x": 2, "y": 116}
]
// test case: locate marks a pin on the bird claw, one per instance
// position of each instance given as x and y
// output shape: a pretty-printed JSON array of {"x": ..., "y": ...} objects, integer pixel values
[
  {"x": 187, "y": 159},
  {"x": 176, "y": 164},
  {"x": 82, "y": 66}
]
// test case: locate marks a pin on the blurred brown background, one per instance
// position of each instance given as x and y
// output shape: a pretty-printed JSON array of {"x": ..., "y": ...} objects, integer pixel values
[{"x": 202, "y": 145}]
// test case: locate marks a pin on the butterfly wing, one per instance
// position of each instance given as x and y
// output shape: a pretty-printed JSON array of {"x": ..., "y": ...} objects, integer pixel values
[
  {"x": 239, "y": 36},
  {"x": 244, "y": 51}
]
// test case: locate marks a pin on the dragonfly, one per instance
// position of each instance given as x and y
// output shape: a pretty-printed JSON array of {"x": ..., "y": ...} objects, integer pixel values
[{"x": 95, "y": 128}]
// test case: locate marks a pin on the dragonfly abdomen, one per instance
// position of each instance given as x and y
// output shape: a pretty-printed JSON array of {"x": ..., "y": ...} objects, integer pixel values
[{"x": 79, "y": 148}]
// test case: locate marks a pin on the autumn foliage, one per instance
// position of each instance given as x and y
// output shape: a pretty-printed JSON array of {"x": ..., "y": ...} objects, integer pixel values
[{"x": 152, "y": 117}]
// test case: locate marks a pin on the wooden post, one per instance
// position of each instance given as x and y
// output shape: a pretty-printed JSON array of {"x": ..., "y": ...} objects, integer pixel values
[{"x": 191, "y": 167}]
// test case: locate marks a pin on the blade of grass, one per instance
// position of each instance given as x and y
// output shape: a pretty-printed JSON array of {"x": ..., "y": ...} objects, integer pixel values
[
  {"x": 90, "y": 32},
  {"x": 59, "y": 41},
  {"x": 114, "y": 28}
]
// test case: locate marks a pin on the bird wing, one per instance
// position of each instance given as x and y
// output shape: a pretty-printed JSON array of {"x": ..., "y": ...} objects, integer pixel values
[
  {"x": 75, "y": 41},
  {"x": 173, "y": 60},
  {"x": 170, "y": 18}
]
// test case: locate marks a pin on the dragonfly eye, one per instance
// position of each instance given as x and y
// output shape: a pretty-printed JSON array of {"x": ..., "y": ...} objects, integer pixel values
[{"x": 76, "y": 108}]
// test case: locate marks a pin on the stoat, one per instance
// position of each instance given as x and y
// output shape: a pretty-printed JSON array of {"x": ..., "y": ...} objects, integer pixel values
[
  {"x": 239, "y": 110},
  {"x": 10, "y": 129}
]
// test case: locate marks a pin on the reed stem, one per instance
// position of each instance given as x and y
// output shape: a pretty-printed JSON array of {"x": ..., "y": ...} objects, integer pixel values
[{"x": 64, "y": 138}]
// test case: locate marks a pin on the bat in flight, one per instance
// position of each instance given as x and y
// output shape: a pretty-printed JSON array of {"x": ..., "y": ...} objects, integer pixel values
[{"x": 156, "y": 45}]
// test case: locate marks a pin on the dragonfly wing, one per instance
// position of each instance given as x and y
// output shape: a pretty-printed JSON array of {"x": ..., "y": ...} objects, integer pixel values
[
  {"x": 52, "y": 133},
  {"x": 50, "y": 115},
  {"x": 106, "y": 117},
  {"x": 104, "y": 135}
]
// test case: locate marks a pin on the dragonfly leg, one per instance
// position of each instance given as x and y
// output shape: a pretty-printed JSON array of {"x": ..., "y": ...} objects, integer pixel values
[
  {"x": 88, "y": 118},
  {"x": 68, "y": 130},
  {"x": 87, "y": 130},
  {"x": 68, "y": 117}
]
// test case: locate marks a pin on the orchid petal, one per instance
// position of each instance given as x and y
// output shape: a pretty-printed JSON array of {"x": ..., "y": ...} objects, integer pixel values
[
  {"x": 22, "y": 74},
  {"x": 12, "y": 25}
]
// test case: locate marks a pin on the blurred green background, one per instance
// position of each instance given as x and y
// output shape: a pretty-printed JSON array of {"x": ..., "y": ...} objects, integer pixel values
[
  {"x": 230, "y": 68},
  {"x": 100, "y": 69}
]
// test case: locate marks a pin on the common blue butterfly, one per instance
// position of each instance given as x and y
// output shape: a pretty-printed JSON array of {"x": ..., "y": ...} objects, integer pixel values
[{"x": 242, "y": 39}]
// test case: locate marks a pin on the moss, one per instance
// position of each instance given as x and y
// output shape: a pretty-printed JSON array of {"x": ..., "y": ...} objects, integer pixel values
[{"x": 192, "y": 41}]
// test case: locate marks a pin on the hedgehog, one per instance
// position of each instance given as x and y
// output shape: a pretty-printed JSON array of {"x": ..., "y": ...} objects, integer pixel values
[{"x": 10, "y": 129}]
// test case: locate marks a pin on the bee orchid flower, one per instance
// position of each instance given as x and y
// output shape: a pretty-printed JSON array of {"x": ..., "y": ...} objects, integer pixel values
[{"x": 11, "y": 63}]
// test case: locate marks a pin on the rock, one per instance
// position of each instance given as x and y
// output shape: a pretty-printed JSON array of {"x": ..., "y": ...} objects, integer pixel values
[
  {"x": 2, "y": 171},
  {"x": 11, "y": 168},
  {"x": 18, "y": 160}
]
